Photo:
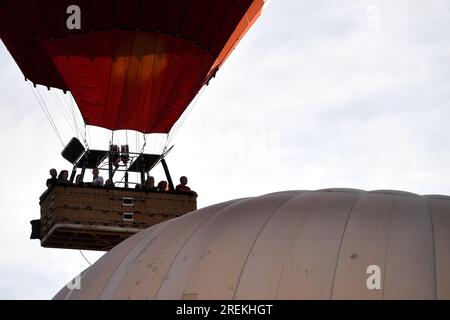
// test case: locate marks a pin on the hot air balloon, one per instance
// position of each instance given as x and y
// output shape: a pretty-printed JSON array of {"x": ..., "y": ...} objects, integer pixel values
[
  {"x": 133, "y": 65},
  {"x": 287, "y": 245},
  {"x": 130, "y": 64}
]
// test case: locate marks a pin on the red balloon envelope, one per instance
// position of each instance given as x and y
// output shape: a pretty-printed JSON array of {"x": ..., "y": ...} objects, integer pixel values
[{"x": 134, "y": 64}]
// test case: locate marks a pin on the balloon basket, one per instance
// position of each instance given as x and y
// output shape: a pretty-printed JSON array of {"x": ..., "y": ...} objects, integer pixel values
[{"x": 99, "y": 218}]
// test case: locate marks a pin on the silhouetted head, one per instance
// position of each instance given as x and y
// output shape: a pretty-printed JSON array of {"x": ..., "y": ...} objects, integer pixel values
[
  {"x": 53, "y": 173},
  {"x": 95, "y": 172},
  {"x": 162, "y": 185},
  {"x": 63, "y": 175},
  {"x": 150, "y": 182},
  {"x": 183, "y": 180}
]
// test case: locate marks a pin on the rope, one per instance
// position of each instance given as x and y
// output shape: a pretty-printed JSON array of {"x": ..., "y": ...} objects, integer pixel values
[
  {"x": 70, "y": 103},
  {"x": 111, "y": 141},
  {"x": 138, "y": 142},
  {"x": 85, "y": 137},
  {"x": 85, "y": 258},
  {"x": 76, "y": 118},
  {"x": 172, "y": 133},
  {"x": 166, "y": 144},
  {"x": 44, "y": 109},
  {"x": 64, "y": 112},
  {"x": 89, "y": 134},
  {"x": 145, "y": 143}
]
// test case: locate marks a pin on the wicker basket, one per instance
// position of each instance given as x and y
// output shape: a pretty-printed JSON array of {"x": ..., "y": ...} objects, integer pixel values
[{"x": 96, "y": 218}]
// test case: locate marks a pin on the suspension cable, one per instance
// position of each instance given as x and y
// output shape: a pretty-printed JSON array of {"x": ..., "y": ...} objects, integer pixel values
[
  {"x": 44, "y": 109},
  {"x": 145, "y": 143},
  {"x": 85, "y": 137},
  {"x": 69, "y": 112},
  {"x": 64, "y": 112},
  {"x": 111, "y": 141},
  {"x": 166, "y": 144},
  {"x": 71, "y": 107},
  {"x": 173, "y": 132},
  {"x": 85, "y": 258},
  {"x": 76, "y": 118}
]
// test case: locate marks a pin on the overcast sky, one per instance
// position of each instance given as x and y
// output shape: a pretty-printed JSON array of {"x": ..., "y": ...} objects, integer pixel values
[{"x": 319, "y": 94}]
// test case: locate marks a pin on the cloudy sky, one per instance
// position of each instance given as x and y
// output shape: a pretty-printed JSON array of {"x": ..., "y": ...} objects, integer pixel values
[{"x": 319, "y": 94}]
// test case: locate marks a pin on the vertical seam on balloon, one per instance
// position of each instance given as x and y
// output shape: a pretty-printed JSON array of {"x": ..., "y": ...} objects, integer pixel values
[
  {"x": 126, "y": 78},
  {"x": 291, "y": 242},
  {"x": 44, "y": 20},
  {"x": 149, "y": 87},
  {"x": 200, "y": 28},
  {"x": 140, "y": 107},
  {"x": 138, "y": 15},
  {"x": 256, "y": 239},
  {"x": 106, "y": 100},
  {"x": 137, "y": 250},
  {"x": 114, "y": 15},
  {"x": 124, "y": 87},
  {"x": 161, "y": 16},
  {"x": 386, "y": 250},
  {"x": 213, "y": 39},
  {"x": 341, "y": 241},
  {"x": 434, "y": 247},
  {"x": 183, "y": 21},
  {"x": 158, "y": 108},
  {"x": 231, "y": 203},
  {"x": 89, "y": 12}
]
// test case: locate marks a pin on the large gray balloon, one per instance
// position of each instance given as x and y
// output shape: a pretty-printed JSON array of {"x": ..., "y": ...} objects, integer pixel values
[{"x": 326, "y": 244}]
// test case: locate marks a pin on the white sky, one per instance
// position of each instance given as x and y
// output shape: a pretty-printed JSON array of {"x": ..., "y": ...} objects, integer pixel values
[{"x": 319, "y": 94}]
